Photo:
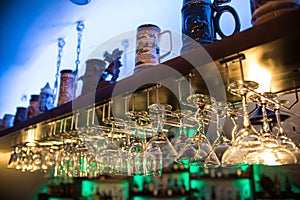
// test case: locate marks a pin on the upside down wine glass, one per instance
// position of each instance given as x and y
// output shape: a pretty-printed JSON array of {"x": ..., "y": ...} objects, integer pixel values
[
  {"x": 221, "y": 143},
  {"x": 159, "y": 141},
  {"x": 272, "y": 153},
  {"x": 247, "y": 139},
  {"x": 198, "y": 150}
]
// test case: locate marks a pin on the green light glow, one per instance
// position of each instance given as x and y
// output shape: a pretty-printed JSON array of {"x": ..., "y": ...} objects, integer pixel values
[
  {"x": 87, "y": 188},
  {"x": 197, "y": 184}
]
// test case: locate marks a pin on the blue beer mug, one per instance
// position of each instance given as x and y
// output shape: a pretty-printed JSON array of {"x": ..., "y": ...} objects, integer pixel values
[{"x": 201, "y": 21}]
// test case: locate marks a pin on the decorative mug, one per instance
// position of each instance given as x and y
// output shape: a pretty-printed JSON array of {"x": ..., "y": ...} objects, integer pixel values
[
  {"x": 147, "y": 46},
  {"x": 201, "y": 22},
  {"x": 7, "y": 121},
  {"x": 33, "y": 109},
  {"x": 66, "y": 88},
  {"x": 264, "y": 10},
  {"x": 21, "y": 115},
  {"x": 93, "y": 71},
  {"x": 46, "y": 98}
]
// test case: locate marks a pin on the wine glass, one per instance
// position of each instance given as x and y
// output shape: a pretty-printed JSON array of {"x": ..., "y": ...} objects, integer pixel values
[
  {"x": 284, "y": 141},
  {"x": 221, "y": 143},
  {"x": 247, "y": 139},
  {"x": 137, "y": 145},
  {"x": 181, "y": 138},
  {"x": 159, "y": 142},
  {"x": 272, "y": 153},
  {"x": 198, "y": 150}
]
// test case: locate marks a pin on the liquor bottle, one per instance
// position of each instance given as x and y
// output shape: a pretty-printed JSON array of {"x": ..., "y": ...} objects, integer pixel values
[
  {"x": 277, "y": 185},
  {"x": 145, "y": 187},
  {"x": 175, "y": 166},
  {"x": 206, "y": 172},
  {"x": 176, "y": 187},
  {"x": 135, "y": 188},
  {"x": 161, "y": 187},
  {"x": 288, "y": 186},
  {"x": 212, "y": 173},
  {"x": 202, "y": 193},
  {"x": 155, "y": 189},
  {"x": 213, "y": 195},
  {"x": 97, "y": 197},
  {"x": 229, "y": 197},
  {"x": 239, "y": 172},
  {"x": 182, "y": 167},
  {"x": 182, "y": 188},
  {"x": 247, "y": 196},
  {"x": 169, "y": 188},
  {"x": 151, "y": 187},
  {"x": 238, "y": 196}
]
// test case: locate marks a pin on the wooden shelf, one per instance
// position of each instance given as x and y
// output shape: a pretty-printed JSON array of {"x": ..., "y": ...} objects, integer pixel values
[{"x": 274, "y": 45}]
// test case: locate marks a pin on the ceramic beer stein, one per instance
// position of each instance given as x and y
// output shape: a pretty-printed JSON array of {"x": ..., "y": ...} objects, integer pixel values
[
  {"x": 201, "y": 22},
  {"x": 264, "y": 10},
  {"x": 66, "y": 88},
  {"x": 147, "y": 46},
  {"x": 21, "y": 115},
  {"x": 7, "y": 121},
  {"x": 93, "y": 71},
  {"x": 33, "y": 109},
  {"x": 46, "y": 98}
]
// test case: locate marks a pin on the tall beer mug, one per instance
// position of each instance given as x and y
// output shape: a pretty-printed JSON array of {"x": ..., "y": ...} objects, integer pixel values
[{"x": 147, "y": 46}]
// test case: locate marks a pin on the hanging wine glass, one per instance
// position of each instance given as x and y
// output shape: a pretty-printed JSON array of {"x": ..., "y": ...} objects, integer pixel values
[
  {"x": 272, "y": 153},
  {"x": 222, "y": 143},
  {"x": 184, "y": 114},
  {"x": 198, "y": 150},
  {"x": 232, "y": 113},
  {"x": 247, "y": 139},
  {"x": 181, "y": 138},
  {"x": 137, "y": 145},
  {"x": 284, "y": 141},
  {"x": 159, "y": 141}
]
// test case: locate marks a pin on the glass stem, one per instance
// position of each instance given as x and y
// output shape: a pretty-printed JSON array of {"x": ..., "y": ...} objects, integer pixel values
[
  {"x": 200, "y": 123},
  {"x": 181, "y": 127},
  {"x": 219, "y": 127},
  {"x": 159, "y": 123},
  {"x": 280, "y": 128},
  {"x": 266, "y": 126},
  {"x": 246, "y": 120},
  {"x": 235, "y": 127}
]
